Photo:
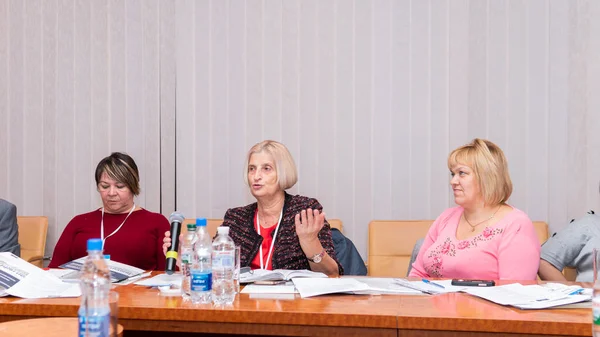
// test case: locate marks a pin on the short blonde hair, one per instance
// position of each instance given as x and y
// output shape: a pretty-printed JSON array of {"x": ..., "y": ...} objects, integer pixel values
[
  {"x": 490, "y": 168},
  {"x": 287, "y": 176}
]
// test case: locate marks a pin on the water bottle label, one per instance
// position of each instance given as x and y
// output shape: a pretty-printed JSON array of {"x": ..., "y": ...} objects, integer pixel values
[
  {"x": 201, "y": 281},
  {"x": 186, "y": 258},
  {"x": 97, "y": 326},
  {"x": 223, "y": 260},
  {"x": 596, "y": 310}
]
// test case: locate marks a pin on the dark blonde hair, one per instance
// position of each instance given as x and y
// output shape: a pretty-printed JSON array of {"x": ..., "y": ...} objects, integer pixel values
[
  {"x": 489, "y": 166},
  {"x": 122, "y": 168},
  {"x": 287, "y": 176}
]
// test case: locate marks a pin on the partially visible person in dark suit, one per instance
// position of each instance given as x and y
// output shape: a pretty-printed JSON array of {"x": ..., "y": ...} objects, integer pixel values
[{"x": 9, "y": 230}]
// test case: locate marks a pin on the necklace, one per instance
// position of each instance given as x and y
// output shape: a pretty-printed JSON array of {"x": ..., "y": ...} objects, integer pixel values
[
  {"x": 116, "y": 230},
  {"x": 488, "y": 219}
]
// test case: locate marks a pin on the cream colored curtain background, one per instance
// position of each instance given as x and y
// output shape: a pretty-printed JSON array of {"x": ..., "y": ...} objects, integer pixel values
[
  {"x": 78, "y": 80},
  {"x": 369, "y": 96}
]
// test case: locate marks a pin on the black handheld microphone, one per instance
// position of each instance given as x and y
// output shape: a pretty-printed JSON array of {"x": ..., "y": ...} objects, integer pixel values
[{"x": 176, "y": 219}]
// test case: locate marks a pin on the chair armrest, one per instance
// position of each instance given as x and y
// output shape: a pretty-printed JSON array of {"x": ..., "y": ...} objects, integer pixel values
[{"x": 37, "y": 260}]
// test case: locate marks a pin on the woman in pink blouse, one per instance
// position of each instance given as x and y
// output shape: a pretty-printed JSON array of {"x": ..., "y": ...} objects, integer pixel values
[{"x": 484, "y": 237}]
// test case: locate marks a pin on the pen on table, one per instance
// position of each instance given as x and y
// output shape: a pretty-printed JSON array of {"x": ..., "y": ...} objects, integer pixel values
[
  {"x": 433, "y": 283},
  {"x": 576, "y": 292},
  {"x": 137, "y": 277}
]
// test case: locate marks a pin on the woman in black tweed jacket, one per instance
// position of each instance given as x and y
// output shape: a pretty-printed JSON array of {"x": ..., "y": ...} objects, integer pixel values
[
  {"x": 278, "y": 231},
  {"x": 296, "y": 224},
  {"x": 287, "y": 251}
]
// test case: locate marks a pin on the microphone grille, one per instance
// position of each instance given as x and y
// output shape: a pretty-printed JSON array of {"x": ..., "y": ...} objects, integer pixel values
[{"x": 176, "y": 217}]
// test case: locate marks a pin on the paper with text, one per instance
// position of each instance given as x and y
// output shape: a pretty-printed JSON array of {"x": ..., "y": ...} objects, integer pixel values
[
  {"x": 22, "y": 279},
  {"x": 118, "y": 271},
  {"x": 278, "y": 274}
]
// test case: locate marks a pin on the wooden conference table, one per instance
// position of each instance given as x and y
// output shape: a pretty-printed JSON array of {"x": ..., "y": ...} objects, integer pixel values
[{"x": 143, "y": 311}]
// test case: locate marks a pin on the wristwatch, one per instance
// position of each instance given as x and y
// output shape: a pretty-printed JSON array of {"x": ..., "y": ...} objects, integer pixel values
[{"x": 317, "y": 257}]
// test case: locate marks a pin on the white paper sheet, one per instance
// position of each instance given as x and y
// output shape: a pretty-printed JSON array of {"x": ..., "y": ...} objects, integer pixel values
[
  {"x": 428, "y": 288},
  {"x": 526, "y": 297},
  {"x": 308, "y": 287},
  {"x": 515, "y": 293},
  {"x": 22, "y": 279},
  {"x": 162, "y": 280},
  {"x": 118, "y": 271},
  {"x": 278, "y": 274},
  {"x": 269, "y": 289},
  {"x": 384, "y": 286},
  {"x": 554, "y": 303}
]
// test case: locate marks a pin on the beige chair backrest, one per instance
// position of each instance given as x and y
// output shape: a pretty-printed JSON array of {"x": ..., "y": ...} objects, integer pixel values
[
  {"x": 32, "y": 238},
  {"x": 211, "y": 225},
  {"x": 337, "y": 224},
  {"x": 391, "y": 243},
  {"x": 541, "y": 229}
]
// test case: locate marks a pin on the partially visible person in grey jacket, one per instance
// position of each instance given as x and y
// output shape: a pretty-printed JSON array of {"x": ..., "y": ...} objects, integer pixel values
[
  {"x": 572, "y": 247},
  {"x": 9, "y": 231}
]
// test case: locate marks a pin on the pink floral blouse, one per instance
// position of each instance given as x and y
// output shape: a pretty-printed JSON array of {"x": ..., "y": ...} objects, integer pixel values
[{"x": 507, "y": 250}]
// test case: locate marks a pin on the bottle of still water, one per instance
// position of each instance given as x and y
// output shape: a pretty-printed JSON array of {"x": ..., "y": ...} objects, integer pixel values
[
  {"x": 596, "y": 309},
  {"x": 94, "y": 312},
  {"x": 223, "y": 254},
  {"x": 187, "y": 257},
  {"x": 201, "y": 271}
]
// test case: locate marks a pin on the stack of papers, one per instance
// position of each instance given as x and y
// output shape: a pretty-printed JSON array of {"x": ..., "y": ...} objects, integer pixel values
[
  {"x": 308, "y": 287},
  {"x": 384, "y": 286},
  {"x": 432, "y": 288},
  {"x": 285, "y": 291},
  {"x": 278, "y": 274},
  {"x": 119, "y": 272},
  {"x": 22, "y": 279},
  {"x": 287, "y": 288},
  {"x": 526, "y": 297},
  {"x": 162, "y": 280}
]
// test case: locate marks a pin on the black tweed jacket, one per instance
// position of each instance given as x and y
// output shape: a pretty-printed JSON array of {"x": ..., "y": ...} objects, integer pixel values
[{"x": 287, "y": 253}]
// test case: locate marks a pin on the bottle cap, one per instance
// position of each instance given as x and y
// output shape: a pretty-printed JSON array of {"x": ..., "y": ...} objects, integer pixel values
[
  {"x": 200, "y": 222},
  {"x": 191, "y": 227},
  {"x": 224, "y": 230},
  {"x": 94, "y": 244}
]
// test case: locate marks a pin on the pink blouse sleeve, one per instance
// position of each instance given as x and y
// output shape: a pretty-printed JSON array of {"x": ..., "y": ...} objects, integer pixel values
[{"x": 519, "y": 251}]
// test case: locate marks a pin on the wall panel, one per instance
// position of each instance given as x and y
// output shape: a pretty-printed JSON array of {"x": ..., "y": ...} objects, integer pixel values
[{"x": 369, "y": 96}]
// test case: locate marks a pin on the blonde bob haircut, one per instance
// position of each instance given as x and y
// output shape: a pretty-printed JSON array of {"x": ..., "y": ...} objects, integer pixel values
[
  {"x": 285, "y": 167},
  {"x": 489, "y": 166}
]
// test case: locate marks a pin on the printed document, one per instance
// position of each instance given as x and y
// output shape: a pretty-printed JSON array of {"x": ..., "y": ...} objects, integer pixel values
[
  {"x": 432, "y": 288},
  {"x": 118, "y": 271},
  {"x": 162, "y": 280},
  {"x": 525, "y": 297},
  {"x": 22, "y": 279},
  {"x": 278, "y": 274}
]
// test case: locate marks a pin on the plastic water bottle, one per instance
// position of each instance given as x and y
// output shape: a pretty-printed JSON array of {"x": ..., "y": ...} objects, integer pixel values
[
  {"x": 94, "y": 312},
  {"x": 596, "y": 309},
  {"x": 201, "y": 272},
  {"x": 187, "y": 257},
  {"x": 223, "y": 254}
]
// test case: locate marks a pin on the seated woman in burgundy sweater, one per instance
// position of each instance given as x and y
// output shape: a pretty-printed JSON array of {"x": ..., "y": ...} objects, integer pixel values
[
  {"x": 278, "y": 231},
  {"x": 130, "y": 234}
]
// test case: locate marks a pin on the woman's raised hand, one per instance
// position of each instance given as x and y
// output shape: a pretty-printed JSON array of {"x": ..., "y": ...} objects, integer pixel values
[{"x": 309, "y": 223}]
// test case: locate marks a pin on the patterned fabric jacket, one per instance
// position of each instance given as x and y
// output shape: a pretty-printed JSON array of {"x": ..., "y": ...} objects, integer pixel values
[{"x": 287, "y": 253}]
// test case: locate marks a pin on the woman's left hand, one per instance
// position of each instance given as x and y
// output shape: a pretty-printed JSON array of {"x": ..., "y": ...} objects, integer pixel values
[{"x": 308, "y": 224}]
